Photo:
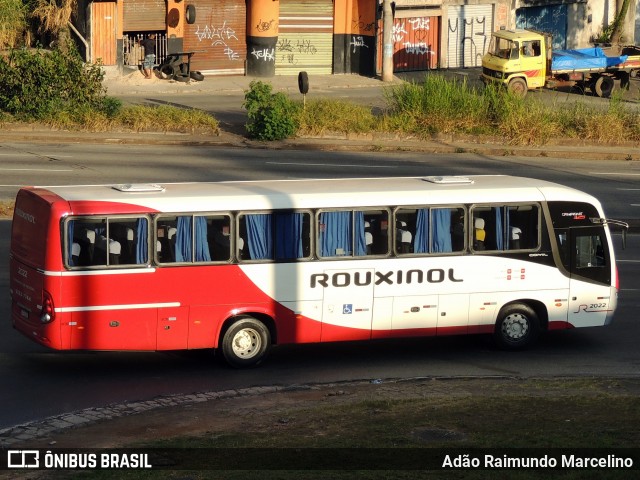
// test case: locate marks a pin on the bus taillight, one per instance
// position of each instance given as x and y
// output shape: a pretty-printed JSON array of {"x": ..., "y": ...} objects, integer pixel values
[{"x": 47, "y": 313}]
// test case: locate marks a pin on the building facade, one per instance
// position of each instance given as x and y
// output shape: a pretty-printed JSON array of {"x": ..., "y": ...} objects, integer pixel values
[{"x": 283, "y": 37}]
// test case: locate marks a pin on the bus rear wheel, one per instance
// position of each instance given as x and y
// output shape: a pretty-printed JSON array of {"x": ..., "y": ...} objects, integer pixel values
[
  {"x": 517, "y": 327},
  {"x": 246, "y": 343}
]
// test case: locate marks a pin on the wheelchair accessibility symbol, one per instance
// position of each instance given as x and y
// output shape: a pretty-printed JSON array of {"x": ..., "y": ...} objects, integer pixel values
[{"x": 347, "y": 309}]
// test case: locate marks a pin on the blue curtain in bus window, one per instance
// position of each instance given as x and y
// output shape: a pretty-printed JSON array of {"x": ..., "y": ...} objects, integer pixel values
[
  {"x": 288, "y": 235},
  {"x": 361, "y": 240},
  {"x": 441, "y": 230},
  {"x": 421, "y": 241},
  {"x": 507, "y": 228},
  {"x": 202, "y": 244},
  {"x": 183, "y": 240},
  {"x": 259, "y": 236},
  {"x": 335, "y": 234},
  {"x": 499, "y": 228},
  {"x": 142, "y": 229},
  {"x": 70, "y": 238}
]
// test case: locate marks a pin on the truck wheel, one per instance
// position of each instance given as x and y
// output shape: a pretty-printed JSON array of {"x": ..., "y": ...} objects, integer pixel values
[
  {"x": 603, "y": 86},
  {"x": 246, "y": 342},
  {"x": 518, "y": 87},
  {"x": 625, "y": 80}
]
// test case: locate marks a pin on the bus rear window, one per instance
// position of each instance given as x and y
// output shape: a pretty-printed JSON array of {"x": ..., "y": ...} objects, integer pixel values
[
  {"x": 29, "y": 229},
  {"x": 106, "y": 241}
]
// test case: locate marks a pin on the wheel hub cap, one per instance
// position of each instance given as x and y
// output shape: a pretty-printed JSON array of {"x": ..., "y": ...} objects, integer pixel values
[{"x": 515, "y": 326}]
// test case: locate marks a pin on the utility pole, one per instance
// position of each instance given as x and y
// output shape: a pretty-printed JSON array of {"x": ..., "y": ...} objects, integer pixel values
[{"x": 387, "y": 41}]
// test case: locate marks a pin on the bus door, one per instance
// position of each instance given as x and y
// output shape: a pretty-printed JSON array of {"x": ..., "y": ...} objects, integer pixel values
[
  {"x": 348, "y": 304},
  {"x": 590, "y": 292}
]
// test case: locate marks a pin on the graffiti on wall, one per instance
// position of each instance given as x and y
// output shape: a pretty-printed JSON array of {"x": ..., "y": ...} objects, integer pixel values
[
  {"x": 361, "y": 26},
  {"x": 290, "y": 50},
  {"x": 221, "y": 36},
  {"x": 413, "y": 37},
  {"x": 267, "y": 25},
  {"x": 265, "y": 54},
  {"x": 471, "y": 40},
  {"x": 358, "y": 42}
]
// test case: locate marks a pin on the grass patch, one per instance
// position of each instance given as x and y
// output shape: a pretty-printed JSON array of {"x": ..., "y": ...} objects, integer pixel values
[
  {"x": 6, "y": 208},
  {"x": 322, "y": 116},
  {"x": 431, "y": 414},
  {"x": 439, "y": 105},
  {"x": 166, "y": 118}
]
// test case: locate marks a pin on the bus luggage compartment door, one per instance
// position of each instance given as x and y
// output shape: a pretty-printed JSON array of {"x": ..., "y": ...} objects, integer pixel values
[{"x": 348, "y": 305}]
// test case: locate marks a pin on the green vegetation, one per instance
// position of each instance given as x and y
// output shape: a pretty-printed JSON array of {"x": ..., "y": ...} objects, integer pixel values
[
  {"x": 435, "y": 415},
  {"x": 442, "y": 106},
  {"x": 272, "y": 116},
  {"x": 70, "y": 95},
  {"x": 38, "y": 85}
]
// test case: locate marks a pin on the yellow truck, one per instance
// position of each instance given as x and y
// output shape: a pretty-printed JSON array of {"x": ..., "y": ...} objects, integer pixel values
[{"x": 524, "y": 60}]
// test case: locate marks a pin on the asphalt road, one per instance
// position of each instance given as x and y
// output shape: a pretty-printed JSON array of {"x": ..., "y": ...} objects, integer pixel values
[{"x": 40, "y": 383}]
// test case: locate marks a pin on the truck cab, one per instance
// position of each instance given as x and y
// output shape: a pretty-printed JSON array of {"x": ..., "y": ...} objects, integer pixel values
[{"x": 518, "y": 59}]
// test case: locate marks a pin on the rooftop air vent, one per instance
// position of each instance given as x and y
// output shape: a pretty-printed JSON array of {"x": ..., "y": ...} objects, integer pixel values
[
  {"x": 138, "y": 187},
  {"x": 448, "y": 180}
]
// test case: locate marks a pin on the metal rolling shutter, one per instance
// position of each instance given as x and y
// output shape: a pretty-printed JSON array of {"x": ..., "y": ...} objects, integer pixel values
[
  {"x": 469, "y": 28},
  {"x": 218, "y": 36},
  {"x": 305, "y": 37},
  {"x": 416, "y": 41},
  {"x": 144, "y": 15}
]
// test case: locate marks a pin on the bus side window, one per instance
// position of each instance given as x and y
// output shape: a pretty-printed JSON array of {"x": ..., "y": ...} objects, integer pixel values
[
  {"x": 376, "y": 232},
  {"x": 278, "y": 236},
  {"x": 82, "y": 234},
  {"x": 430, "y": 230},
  {"x": 166, "y": 230},
  {"x": 219, "y": 237},
  {"x": 132, "y": 236}
]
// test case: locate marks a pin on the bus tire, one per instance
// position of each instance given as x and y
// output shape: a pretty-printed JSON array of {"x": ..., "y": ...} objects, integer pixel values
[
  {"x": 518, "y": 87},
  {"x": 245, "y": 343},
  {"x": 517, "y": 327}
]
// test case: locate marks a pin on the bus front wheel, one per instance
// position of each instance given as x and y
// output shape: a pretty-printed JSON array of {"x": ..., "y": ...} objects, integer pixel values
[
  {"x": 246, "y": 342},
  {"x": 517, "y": 327}
]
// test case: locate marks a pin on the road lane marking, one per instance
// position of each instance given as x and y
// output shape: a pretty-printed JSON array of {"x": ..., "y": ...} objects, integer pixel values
[
  {"x": 329, "y": 165},
  {"x": 36, "y": 169}
]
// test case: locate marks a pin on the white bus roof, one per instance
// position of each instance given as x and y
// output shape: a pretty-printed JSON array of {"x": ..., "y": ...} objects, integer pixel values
[{"x": 324, "y": 193}]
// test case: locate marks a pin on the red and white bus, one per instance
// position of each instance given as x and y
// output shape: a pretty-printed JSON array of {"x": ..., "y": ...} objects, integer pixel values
[{"x": 242, "y": 266}]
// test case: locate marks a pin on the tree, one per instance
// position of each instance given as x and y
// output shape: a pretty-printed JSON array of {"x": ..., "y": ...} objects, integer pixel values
[
  {"x": 617, "y": 28},
  {"x": 52, "y": 18}
]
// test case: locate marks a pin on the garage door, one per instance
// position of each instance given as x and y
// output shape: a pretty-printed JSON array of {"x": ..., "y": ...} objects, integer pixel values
[
  {"x": 469, "y": 30},
  {"x": 218, "y": 35},
  {"x": 305, "y": 37},
  {"x": 415, "y": 42},
  {"x": 144, "y": 15}
]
